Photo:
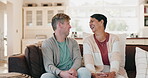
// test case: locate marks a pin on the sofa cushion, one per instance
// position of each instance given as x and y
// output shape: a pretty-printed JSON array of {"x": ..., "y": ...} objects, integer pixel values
[
  {"x": 16, "y": 63},
  {"x": 34, "y": 59},
  {"x": 141, "y": 59}
]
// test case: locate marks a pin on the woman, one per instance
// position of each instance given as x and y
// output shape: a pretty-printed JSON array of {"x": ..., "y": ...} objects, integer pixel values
[{"x": 101, "y": 50}]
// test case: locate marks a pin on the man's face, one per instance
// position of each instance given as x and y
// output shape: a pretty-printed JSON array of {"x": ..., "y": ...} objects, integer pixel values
[
  {"x": 66, "y": 27},
  {"x": 95, "y": 25}
]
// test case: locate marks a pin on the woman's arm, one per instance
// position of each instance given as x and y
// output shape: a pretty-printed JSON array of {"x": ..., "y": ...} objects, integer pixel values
[
  {"x": 115, "y": 57},
  {"x": 88, "y": 57}
]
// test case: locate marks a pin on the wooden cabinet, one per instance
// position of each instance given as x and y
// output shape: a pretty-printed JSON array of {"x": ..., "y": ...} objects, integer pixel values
[
  {"x": 37, "y": 23},
  {"x": 146, "y": 41},
  {"x": 137, "y": 41},
  {"x": 37, "y": 20}
]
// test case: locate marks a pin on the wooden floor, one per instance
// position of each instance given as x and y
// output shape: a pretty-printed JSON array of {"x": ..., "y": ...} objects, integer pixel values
[{"x": 3, "y": 66}]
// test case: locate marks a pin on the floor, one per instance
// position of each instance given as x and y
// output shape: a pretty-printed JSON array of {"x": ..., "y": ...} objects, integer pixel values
[{"x": 3, "y": 66}]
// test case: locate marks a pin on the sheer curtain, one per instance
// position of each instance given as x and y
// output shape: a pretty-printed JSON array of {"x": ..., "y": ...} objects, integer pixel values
[{"x": 122, "y": 15}]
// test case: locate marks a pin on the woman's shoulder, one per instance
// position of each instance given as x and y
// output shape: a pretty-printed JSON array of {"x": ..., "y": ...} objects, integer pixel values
[
  {"x": 90, "y": 37},
  {"x": 114, "y": 36}
]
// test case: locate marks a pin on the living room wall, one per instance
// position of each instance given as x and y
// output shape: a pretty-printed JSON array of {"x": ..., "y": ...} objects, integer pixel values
[{"x": 14, "y": 34}]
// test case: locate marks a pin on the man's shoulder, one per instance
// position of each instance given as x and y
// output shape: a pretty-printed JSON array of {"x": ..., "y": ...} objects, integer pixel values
[
  {"x": 71, "y": 41},
  {"x": 48, "y": 41}
]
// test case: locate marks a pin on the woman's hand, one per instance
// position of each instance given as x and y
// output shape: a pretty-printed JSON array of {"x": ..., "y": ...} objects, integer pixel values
[{"x": 111, "y": 74}]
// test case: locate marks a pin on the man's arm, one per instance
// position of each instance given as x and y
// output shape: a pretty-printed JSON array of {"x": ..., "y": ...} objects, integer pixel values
[
  {"x": 76, "y": 56},
  {"x": 48, "y": 58}
]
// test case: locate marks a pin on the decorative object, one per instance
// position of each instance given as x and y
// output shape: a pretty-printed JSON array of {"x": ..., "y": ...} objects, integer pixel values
[
  {"x": 58, "y": 4},
  {"x": 46, "y": 4},
  {"x": 30, "y": 5}
]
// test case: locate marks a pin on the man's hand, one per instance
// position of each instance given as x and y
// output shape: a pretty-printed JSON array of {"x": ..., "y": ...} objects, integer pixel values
[
  {"x": 73, "y": 72},
  {"x": 66, "y": 74}
]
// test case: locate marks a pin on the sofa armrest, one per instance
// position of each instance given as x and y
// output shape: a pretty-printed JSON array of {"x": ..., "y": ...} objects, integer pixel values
[{"x": 17, "y": 63}]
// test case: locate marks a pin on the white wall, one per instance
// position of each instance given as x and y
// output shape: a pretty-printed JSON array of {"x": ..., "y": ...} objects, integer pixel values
[
  {"x": 14, "y": 14},
  {"x": 3, "y": 1}
]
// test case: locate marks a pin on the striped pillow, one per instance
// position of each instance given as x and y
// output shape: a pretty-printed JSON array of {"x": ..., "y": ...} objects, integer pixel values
[
  {"x": 141, "y": 59},
  {"x": 14, "y": 75}
]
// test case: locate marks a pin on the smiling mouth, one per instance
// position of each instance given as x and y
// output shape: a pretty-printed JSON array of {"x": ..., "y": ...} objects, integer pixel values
[{"x": 92, "y": 27}]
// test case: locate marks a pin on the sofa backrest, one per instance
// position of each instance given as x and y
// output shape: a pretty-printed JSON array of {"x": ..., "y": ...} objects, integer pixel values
[
  {"x": 34, "y": 58},
  {"x": 130, "y": 56}
]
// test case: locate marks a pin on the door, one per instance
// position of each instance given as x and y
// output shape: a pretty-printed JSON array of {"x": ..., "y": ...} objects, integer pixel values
[
  {"x": 2, "y": 12},
  {"x": 1, "y": 35}
]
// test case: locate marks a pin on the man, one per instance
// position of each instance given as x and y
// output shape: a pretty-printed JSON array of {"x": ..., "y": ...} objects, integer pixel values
[{"x": 61, "y": 55}]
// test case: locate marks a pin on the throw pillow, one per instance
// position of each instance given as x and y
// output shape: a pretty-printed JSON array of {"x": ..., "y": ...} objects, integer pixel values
[
  {"x": 141, "y": 60},
  {"x": 34, "y": 59},
  {"x": 14, "y": 75}
]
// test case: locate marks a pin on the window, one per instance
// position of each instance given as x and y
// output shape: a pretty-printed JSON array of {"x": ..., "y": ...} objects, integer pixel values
[{"x": 122, "y": 14}]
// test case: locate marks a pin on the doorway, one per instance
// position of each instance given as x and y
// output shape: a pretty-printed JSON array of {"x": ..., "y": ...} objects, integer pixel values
[{"x": 5, "y": 34}]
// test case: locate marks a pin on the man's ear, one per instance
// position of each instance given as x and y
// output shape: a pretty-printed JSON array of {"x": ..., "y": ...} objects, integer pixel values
[{"x": 59, "y": 24}]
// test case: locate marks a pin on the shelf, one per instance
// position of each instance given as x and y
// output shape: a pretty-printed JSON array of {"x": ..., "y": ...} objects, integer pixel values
[
  {"x": 145, "y": 14},
  {"x": 146, "y": 5}
]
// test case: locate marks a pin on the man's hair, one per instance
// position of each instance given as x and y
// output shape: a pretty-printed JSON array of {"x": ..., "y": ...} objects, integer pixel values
[
  {"x": 60, "y": 17},
  {"x": 100, "y": 17}
]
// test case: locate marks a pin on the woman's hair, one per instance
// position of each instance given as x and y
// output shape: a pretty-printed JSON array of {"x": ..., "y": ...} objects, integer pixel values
[
  {"x": 100, "y": 17},
  {"x": 60, "y": 17}
]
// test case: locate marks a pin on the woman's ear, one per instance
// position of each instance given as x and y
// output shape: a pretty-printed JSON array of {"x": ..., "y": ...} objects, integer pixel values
[{"x": 102, "y": 22}]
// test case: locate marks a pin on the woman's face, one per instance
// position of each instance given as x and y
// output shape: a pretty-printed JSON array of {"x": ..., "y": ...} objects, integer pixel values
[{"x": 96, "y": 25}]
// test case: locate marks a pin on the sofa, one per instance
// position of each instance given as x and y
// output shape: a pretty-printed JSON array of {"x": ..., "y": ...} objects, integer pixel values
[{"x": 31, "y": 63}]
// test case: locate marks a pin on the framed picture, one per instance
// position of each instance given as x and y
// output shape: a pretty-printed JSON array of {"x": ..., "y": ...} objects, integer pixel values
[{"x": 146, "y": 22}]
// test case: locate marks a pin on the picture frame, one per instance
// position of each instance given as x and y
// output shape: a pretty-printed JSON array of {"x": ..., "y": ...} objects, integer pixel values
[{"x": 146, "y": 22}]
